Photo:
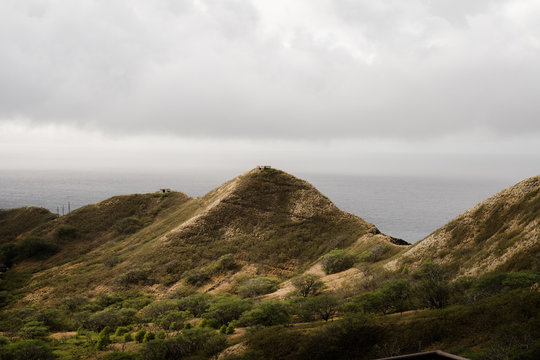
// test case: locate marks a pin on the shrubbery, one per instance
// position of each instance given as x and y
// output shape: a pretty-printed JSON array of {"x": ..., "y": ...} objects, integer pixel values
[
  {"x": 134, "y": 277},
  {"x": 66, "y": 232},
  {"x": 267, "y": 313},
  {"x": 257, "y": 286},
  {"x": 128, "y": 225},
  {"x": 224, "y": 309},
  {"x": 337, "y": 260}
]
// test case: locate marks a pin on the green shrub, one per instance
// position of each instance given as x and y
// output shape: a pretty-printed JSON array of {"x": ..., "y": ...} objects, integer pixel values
[
  {"x": 154, "y": 310},
  {"x": 128, "y": 225},
  {"x": 36, "y": 247},
  {"x": 195, "y": 343},
  {"x": 161, "y": 334},
  {"x": 268, "y": 313},
  {"x": 111, "y": 317},
  {"x": 174, "y": 326},
  {"x": 196, "y": 304},
  {"x": 337, "y": 260},
  {"x": 196, "y": 277},
  {"x": 66, "y": 232},
  {"x": 127, "y": 337},
  {"x": 149, "y": 336},
  {"x": 121, "y": 330},
  {"x": 230, "y": 329},
  {"x": 225, "y": 262},
  {"x": 226, "y": 308},
  {"x": 223, "y": 329},
  {"x": 134, "y": 277},
  {"x": 139, "y": 335},
  {"x": 257, "y": 286},
  {"x": 103, "y": 338},
  {"x": 173, "y": 316},
  {"x": 30, "y": 350},
  {"x": 187, "y": 326},
  {"x": 8, "y": 254}
]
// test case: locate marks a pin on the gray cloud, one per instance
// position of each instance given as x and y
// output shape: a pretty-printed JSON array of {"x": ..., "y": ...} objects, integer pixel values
[{"x": 304, "y": 69}]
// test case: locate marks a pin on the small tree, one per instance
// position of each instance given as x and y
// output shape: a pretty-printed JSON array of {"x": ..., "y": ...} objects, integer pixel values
[
  {"x": 308, "y": 284},
  {"x": 128, "y": 337},
  {"x": 139, "y": 335},
  {"x": 268, "y": 313},
  {"x": 149, "y": 336},
  {"x": 187, "y": 326},
  {"x": 337, "y": 260},
  {"x": 324, "y": 305},
  {"x": 230, "y": 329},
  {"x": 121, "y": 330},
  {"x": 432, "y": 285},
  {"x": 223, "y": 329},
  {"x": 104, "y": 338}
]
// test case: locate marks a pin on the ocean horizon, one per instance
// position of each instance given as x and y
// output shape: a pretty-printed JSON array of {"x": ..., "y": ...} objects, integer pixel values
[{"x": 406, "y": 207}]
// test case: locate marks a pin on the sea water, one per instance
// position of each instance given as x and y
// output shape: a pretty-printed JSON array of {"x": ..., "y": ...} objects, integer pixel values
[{"x": 409, "y": 208}]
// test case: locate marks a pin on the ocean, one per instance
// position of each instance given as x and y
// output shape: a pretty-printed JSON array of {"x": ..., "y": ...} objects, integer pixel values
[{"x": 409, "y": 208}]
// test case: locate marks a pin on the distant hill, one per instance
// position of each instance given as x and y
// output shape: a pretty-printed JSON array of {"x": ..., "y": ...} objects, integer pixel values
[
  {"x": 501, "y": 233},
  {"x": 15, "y": 222}
]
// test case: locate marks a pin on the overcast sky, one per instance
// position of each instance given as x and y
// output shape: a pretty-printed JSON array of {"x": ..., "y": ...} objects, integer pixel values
[{"x": 441, "y": 87}]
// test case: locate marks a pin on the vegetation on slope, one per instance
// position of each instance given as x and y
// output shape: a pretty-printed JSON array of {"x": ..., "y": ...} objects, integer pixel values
[
  {"x": 501, "y": 233},
  {"x": 142, "y": 277},
  {"x": 15, "y": 222}
]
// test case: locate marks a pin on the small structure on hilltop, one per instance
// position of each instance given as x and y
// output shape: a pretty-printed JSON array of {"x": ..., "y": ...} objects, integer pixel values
[
  {"x": 263, "y": 167},
  {"x": 164, "y": 190}
]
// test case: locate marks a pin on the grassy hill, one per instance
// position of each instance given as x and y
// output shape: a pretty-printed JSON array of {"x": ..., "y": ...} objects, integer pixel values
[
  {"x": 15, "y": 222},
  {"x": 500, "y": 233},
  {"x": 265, "y": 266},
  {"x": 170, "y": 240}
]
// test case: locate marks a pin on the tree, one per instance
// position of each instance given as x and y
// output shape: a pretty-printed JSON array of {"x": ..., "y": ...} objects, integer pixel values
[
  {"x": 121, "y": 330},
  {"x": 324, "y": 305},
  {"x": 432, "y": 285},
  {"x": 149, "y": 336},
  {"x": 127, "y": 337},
  {"x": 230, "y": 329},
  {"x": 139, "y": 335},
  {"x": 226, "y": 308},
  {"x": 308, "y": 284},
  {"x": 268, "y": 313},
  {"x": 104, "y": 338}
]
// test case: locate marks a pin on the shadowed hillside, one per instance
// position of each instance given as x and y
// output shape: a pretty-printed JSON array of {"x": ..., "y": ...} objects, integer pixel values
[{"x": 15, "y": 222}]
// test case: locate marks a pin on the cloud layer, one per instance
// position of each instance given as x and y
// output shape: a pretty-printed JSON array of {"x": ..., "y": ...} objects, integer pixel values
[{"x": 310, "y": 69}]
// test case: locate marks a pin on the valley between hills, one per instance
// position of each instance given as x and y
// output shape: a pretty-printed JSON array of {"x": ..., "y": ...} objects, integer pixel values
[{"x": 266, "y": 267}]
